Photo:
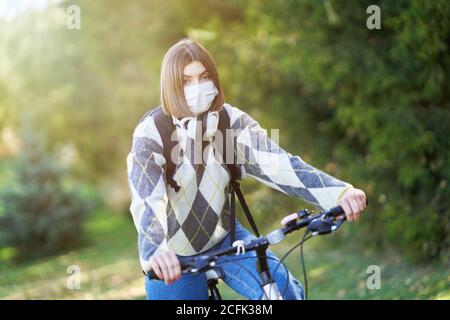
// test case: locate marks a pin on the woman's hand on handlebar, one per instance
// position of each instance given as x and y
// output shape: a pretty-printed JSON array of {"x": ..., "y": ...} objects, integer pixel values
[
  {"x": 353, "y": 201},
  {"x": 166, "y": 266}
]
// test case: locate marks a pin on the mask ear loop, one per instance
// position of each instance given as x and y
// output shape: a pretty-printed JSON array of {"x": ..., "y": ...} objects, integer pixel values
[
  {"x": 212, "y": 122},
  {"x": 182, "y": 128},
  {"x": 211, "y": 119}
]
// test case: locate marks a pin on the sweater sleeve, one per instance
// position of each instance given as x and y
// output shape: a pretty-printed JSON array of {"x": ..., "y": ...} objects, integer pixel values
[
  {"x": 146, "y": 182},
  {"x": 260, "y": 157}
]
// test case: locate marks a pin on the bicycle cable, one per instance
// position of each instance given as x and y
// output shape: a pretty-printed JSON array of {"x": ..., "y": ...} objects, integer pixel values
[
  {"x": 305, "y": 279},
  {"x": 304, "y": 239}
]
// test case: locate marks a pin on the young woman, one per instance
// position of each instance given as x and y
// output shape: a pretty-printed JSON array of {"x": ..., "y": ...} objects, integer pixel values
[{"x": 195, "y": 219}]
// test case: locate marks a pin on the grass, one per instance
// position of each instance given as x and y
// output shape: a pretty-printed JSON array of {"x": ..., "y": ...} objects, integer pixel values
[
  {"x": 340, "y": 271},
  {"x": 110, "y": 270},
  {"x": 108, "y": 265}
]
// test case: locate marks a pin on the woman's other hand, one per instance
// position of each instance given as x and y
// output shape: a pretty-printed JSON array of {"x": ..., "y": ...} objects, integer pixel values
[
  {"x": 166, "y": 266},
  {"x": 353, "y": 201}
]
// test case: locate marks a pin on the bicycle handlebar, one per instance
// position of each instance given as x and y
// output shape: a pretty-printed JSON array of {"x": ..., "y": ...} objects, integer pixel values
[
  {"x": 321, "y": 223},
  {"x": 336, "y": 212}
]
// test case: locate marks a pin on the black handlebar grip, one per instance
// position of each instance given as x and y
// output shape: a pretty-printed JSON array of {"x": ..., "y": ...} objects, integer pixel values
[
  {"x": 152, "y": 275},
  {"x": 336, "y": 211}
]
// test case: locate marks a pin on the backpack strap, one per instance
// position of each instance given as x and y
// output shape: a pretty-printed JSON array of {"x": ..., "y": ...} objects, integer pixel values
[
  {"x": 166, "y": 128},
  {"x": 235, "y": 189},
  {"x": 234, "y": 186}
]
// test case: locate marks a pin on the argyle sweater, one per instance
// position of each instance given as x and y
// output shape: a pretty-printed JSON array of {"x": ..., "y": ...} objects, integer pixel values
[{"x": 196, "y": 217}]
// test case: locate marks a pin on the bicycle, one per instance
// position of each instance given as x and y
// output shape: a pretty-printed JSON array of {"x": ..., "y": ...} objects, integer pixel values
[{"x": 322, "y": 223}]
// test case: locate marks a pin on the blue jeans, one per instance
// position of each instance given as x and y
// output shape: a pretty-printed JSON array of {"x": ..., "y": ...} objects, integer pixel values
[{"x": 237, "y": 277}]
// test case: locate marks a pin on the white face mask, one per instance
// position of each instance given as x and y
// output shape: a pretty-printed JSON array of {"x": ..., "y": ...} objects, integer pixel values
[{"x": 200, "y": 96}]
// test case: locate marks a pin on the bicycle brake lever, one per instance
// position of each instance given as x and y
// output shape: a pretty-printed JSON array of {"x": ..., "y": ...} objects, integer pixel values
[
  {"x": 319, "y": 226},
  {"x": 324, "y": 225}
]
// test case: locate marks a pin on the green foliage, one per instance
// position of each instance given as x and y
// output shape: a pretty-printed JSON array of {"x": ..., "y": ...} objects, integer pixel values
[
  {"x": 372, "y": 105},
  {"x": 40, "y": 214},
  {"x": 368, "y": 106}
]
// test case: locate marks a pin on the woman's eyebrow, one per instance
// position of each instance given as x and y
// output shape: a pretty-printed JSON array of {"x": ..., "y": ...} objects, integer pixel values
[{"x": 188, "y": 76}]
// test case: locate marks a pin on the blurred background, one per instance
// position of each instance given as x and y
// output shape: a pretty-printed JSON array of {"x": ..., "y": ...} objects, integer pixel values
[{"x": 370, "y": 107}]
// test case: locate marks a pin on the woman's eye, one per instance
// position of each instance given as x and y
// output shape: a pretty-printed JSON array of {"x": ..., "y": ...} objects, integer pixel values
[
  {"x": 205, "y": 78},
  {"x": 186, "y": 82}
]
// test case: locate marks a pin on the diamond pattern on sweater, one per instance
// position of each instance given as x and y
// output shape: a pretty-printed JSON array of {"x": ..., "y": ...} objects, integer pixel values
[{"x": 196, "y": 217}]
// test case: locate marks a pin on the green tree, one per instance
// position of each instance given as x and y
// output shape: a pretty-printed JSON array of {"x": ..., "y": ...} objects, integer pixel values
[{"x": 39, "y": 213}]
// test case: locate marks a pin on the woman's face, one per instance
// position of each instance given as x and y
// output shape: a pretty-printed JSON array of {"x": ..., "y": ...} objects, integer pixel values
[{"x": 194, "y": 73}]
